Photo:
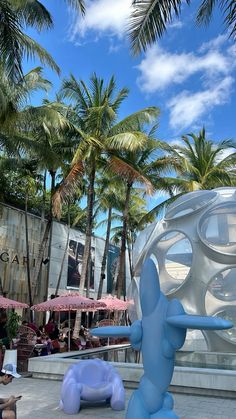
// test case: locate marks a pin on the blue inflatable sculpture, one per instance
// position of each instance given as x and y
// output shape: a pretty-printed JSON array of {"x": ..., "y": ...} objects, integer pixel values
[{"x": 158, "y": 335}]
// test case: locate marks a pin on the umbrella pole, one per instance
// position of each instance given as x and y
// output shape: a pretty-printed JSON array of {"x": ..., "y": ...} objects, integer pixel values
[
  {"x": 69, "y": 333},
  {"x": 109, "y": 317}
]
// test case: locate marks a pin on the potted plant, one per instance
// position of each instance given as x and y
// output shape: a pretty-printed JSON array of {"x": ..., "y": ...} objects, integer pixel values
[{"x": 12, "y": 327}]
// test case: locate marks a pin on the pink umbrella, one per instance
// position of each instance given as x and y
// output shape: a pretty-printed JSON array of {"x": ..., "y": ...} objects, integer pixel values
[
  {"x": 113, "y": 303},
  {"x": 7, "y": 303},
  {"x": 67, "y": 302}
]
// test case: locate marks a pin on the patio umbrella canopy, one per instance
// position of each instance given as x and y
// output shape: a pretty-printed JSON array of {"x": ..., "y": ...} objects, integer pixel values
[
  {"x": 67, "y": 302},
  {"x": 7, "y": 303},
  {"x": 113, "y": 303}
]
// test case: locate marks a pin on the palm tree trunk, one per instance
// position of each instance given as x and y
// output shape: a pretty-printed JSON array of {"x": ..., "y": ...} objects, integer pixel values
[
  {"x": 53, "y": 181},
  {"x": 121, "y": 274},
  {"x": 89, "y": 228},
  {"x": 47, "y": 236},
  {"x": 130, "y": 260},
  {"x": 28, "y": 254},
  {"x": 87, "y": 245},
  {"x": 44, "y": 196},
  {"x": 105, "y": 253},
  {"x": 65, "y": 252},
  {"x": 39, "y": 261}
]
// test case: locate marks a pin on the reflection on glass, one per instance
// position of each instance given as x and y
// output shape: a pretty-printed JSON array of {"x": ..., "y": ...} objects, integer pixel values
[
  {"x": 177, "y": 260},
  {"x": 217, "y": 228},
  {"x": 228, "y": 313},
  {"x": 223, "y": 285}
]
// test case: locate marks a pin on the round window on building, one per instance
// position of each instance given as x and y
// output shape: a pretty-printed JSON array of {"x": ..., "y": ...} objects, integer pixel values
[
  {"x": 228, "y": 313},
  {"x": 177, "y": 251},
  {"x": 189, "y": 203},
  {"x": 223, "y": 285},
  {"x": 217, "y": 228}
]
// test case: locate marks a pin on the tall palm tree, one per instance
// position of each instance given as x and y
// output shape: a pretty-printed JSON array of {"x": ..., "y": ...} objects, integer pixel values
[
  {"x": 54, "y": 146},
  {"x": 140, "y": 167},
  {"x": 97, "y": 109},
  {"x": 150, "y": 18},
  {"x": 110, "y": 193},
  {"x": 137, "y": 212}
]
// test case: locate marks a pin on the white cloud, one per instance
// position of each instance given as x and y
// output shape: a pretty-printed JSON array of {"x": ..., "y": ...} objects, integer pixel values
[
  {"x": 186, "y": 108},
  {"x": 212, "y": 66},
  {"x": 103, "y": 15},
  {"x": 225, "y": 153},
  {"x": 160, "y": 69},
  {"x": 215, "y": 43}
]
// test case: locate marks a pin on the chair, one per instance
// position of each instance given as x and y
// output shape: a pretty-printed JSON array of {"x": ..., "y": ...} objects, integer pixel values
[
  {"x": 25, "y": 346},
  {"x": 92, "y": 380}
]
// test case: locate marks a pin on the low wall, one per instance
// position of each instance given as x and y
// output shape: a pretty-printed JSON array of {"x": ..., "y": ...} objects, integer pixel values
[{"x": 206, "y": 381}]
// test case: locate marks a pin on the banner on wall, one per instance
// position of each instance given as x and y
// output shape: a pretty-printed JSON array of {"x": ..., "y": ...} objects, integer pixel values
[
  {"x": 112, "y": 263},
  {"x": 75, "y": 258}
]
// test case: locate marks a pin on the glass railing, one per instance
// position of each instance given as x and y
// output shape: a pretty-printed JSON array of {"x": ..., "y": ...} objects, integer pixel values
[
  {"x": 112, "y": 353},
  {"x": 192, "y": 359},
  {"x": 204, "y": 359}
]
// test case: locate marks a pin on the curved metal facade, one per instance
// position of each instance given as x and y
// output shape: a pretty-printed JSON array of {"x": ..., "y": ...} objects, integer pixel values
[{"x": 194, "y": 249}]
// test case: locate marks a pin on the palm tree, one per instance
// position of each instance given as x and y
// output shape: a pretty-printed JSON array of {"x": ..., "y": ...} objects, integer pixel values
[
  {"x": 200, "y": 164},
  {"x": 140, "y": 167},
  {"x": 96, "y": 109},
  {"x": 54, "y": 146},
  {"x": 150, "y": 18},
  {"x": 110, "y": 193},
  {"x": 203, "y": 164},
  {"x": 137, "y": 212},
  {"x": 13, "y": 111}
]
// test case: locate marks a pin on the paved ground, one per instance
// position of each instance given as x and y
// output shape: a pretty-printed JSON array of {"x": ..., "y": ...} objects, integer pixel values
[{"x": 40, "y": 400}]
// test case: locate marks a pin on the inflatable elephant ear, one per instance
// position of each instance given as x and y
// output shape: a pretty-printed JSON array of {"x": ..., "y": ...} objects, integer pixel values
[{"x": 134, "y": 309}]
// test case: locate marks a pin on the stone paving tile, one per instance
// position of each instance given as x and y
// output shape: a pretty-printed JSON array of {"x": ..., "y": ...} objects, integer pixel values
[{"x": 40, "y": 399}]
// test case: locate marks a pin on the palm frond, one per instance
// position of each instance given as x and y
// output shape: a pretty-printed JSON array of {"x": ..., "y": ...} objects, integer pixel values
[
  {"x": 136, "y": 120},
  {"x": 129, "y": 172},
  {"x": 10, "y": 37},
  {"x": 228, "y": 8},
  {"x": 127, "y": 141},
  {"x": 67, "y": 188},
  {"x": 77, "y": 5},
  {"x": 31, "y": 48},
  {"x": 149, "y": 20},
  {"x": 32, "y": 13}
]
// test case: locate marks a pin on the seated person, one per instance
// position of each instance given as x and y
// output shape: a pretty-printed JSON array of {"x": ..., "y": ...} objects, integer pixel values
[
  {"x": 82, "y": 338},
  {"x": 65, "y": 328},
  {"x": 46, "y": 350},
  {"x": 55, "y": 345},
  {"x": 8, "y": 406}
]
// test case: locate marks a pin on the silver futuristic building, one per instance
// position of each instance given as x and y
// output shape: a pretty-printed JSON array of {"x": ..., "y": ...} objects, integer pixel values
[{"x": 194, "y": 248}]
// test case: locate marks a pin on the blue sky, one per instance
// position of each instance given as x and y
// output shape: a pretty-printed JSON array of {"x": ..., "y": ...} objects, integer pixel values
[{"x": 189, "y": 74}]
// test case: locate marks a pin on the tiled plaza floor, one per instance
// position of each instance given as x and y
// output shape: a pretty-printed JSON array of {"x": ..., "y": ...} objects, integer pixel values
[{"x": 40, "y": 399}]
